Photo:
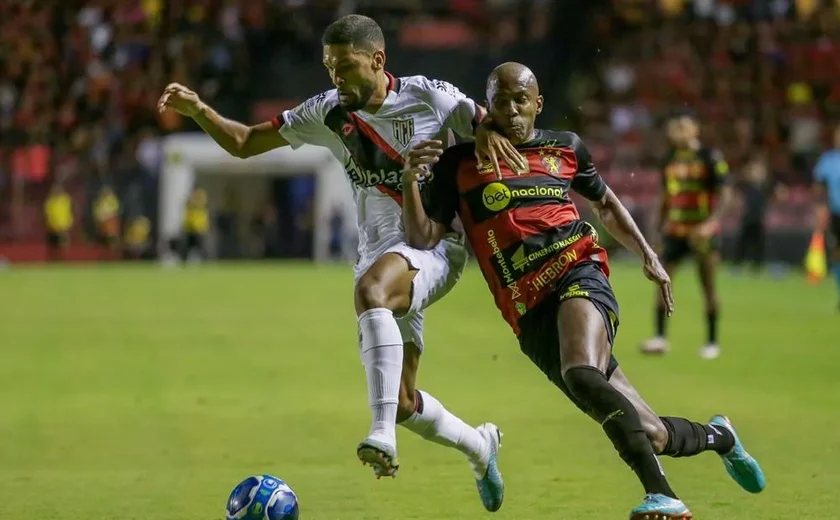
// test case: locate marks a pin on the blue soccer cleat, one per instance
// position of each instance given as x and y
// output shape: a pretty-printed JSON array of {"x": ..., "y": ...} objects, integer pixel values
[
  {"x": 491, "y": 486},
  {"x": 382, "y": 457},
  {"x": 656, "y": 506},
  {"x": 740, "y": 465}
]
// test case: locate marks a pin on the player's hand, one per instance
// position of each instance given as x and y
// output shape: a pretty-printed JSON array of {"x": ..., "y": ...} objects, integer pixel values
[
  {"x": 656, "y": 273},
  {"x": 492, "y": 146},
  {"x": 706, "y": 230},
  {"x": 180, "y": 99},
  {"x": 421, "y": 158}
]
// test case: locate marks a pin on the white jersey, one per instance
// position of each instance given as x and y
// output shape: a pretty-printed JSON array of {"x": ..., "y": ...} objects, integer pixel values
[{"x": 373, "y": 148}]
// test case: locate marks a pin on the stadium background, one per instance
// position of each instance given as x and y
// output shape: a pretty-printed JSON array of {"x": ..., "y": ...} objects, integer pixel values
[
  {"x": 79, "y": 86},
  {"x": 133, "y": 392}
]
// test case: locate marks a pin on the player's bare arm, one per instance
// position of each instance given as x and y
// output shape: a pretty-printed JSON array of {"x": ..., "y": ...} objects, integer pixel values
[
  {"x": 620, "y": 224},
  {"x": 421, "y": 232},
  {"x": 237, "y": 139}
]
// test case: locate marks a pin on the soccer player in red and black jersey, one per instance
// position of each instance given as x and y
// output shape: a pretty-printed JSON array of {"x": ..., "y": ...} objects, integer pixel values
[
  {"x": 549, "y": 277},
  {"x": 695, "y": 196}
]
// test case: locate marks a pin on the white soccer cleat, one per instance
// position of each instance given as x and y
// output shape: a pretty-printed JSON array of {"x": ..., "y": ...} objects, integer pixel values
[
  {"x": 710, "y": 351},
  {"x": 657, "y": 345}
]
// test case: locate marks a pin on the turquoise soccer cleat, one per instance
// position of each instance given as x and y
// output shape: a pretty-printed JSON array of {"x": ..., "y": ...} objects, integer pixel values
[
  {"x": 740, "y": 465},
  {"x": 491, "y": 487},
  {"x": 656, "y": 506}
]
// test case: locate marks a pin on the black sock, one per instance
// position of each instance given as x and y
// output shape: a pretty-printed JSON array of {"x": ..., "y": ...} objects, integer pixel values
[
  {"x": 660, "y": 321},
  {"x": 621, "y": 423},
  {"x": 687, "y": 438},
  {"x": 711, "y": 326}
]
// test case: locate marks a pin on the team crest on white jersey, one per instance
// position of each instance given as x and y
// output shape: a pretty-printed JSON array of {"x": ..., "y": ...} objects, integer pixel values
[{"x": 403, "y": 130}]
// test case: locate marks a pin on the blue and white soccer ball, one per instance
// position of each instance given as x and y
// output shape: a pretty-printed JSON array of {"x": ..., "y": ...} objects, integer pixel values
[{"x": 262, "y": 497}]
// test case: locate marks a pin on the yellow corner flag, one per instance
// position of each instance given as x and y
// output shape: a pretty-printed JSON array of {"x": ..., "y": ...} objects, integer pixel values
[{"x": 816, "y": 266}]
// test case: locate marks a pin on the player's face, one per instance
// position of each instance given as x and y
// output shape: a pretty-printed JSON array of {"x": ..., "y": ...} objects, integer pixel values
[
  {"x": 514, "y": 106},
  {"x": 354, "y": 73},
  {"x": 681, "y": 131}
]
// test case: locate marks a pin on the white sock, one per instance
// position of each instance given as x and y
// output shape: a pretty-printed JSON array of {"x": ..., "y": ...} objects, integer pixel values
[
  {"x": 435, "y": 423},
  {"x": 382, "y": 355}
]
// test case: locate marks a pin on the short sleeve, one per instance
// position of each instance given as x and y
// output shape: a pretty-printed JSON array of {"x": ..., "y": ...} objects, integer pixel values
[
  {"x": 304, "y": 124},
  {"x": 456, "y": 111},
  {"x": 440, "y": 195},
  {"x": 587, "y": 181},
  {"x": 719, "y": 168}
]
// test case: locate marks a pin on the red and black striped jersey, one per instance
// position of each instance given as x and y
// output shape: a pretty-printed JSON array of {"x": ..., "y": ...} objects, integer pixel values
[
  {"x": 691, "y": 180},
  {"x": 524, "y": 229}
]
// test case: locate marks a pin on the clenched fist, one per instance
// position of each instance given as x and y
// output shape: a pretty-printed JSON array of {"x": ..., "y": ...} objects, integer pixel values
[{"x": 180, "y": 99}]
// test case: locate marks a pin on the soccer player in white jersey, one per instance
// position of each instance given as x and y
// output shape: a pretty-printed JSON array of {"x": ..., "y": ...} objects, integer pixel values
[{"x": 370, "y": 121}]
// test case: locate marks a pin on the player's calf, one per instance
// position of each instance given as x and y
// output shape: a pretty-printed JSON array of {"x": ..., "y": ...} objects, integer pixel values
[{"x": 621, "y": 423}]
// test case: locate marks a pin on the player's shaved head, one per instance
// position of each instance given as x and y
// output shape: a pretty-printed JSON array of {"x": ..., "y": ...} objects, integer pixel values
[
  {"x": 513, "y": 97},
  {"x": 512, "y": 73}
]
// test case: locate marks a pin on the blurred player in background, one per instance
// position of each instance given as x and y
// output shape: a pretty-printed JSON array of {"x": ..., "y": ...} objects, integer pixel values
[
  {"x": 369, "y": 122},
  {"x": 695, "y": 197},
  {"x": 106, "y": 216},
  {"x": 549, "y": 277},
  {"x": 58, "y": 214},
  {"x": 196, "y": 225},
  {"x": 827, "y": 176}
]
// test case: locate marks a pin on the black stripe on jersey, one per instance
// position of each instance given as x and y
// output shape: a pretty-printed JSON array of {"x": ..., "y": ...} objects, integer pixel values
[
  {"x": 533, "y": 252},
  {"x": 488, "y": 200}
]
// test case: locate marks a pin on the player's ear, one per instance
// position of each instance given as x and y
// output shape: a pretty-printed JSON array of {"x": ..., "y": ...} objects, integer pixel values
[
  {"x": 378, "y": 60},
  {"x": 539, "y": 104}
]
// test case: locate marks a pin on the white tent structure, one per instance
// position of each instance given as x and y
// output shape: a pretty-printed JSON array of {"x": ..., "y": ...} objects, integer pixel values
[{"x": 186, "y": 156}]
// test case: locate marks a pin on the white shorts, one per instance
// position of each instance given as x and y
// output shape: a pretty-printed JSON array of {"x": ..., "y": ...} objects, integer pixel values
[{"x": 438, "y": 270}]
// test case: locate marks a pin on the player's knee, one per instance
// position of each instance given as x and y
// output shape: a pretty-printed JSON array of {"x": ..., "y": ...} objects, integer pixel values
[
  {"x": 712, "y": 304},
  {"x": 657, "y": 435},
  {"x": 371, "y": 293},
  {"x": 585, "y": 384}
]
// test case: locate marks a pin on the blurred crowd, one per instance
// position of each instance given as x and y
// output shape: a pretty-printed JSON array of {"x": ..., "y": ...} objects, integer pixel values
[
  {"x": 760, "y": 74},
  {"x": 79, "y": 81}
]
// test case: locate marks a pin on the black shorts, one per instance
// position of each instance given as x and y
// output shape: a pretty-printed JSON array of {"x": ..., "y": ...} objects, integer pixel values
[
  {"x": 194, "y": 241},
  {"x": 56, "y": 239},
  {"x": 834, "y": 226},
  {"x": 676, "y": 248},
  {"x": 539, "y": 338}
]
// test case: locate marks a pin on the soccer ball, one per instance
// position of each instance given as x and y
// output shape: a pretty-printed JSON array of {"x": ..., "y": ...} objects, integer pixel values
[{"x": 262, "y": 497}]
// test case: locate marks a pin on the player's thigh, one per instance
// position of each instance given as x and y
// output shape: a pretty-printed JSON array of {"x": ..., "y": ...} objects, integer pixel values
[
  {"x": 436, "y": 270},
  {"x": 582, "y": 335},
  {"x": 386, "y": 284},
  {"x": 707, "y": 263}
]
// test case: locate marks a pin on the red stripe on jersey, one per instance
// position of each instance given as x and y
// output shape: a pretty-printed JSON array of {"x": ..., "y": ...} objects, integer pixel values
[
  {"x": 276, "y": 122},
  {"x": 377, "y": 139},
  {"x": 386, "y": 148},
  {"x": 392, "y": 81},
  {"x": 391, "y": 193}
]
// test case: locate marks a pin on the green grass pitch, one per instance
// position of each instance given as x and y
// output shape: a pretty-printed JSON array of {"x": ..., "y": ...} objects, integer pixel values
[{"x": 138, "y": 393}]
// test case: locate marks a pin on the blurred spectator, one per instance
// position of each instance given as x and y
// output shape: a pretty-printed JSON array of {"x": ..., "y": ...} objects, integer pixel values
[{"x": 760, "y": 74}]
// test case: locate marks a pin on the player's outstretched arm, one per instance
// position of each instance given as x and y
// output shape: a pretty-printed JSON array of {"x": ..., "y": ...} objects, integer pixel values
[
  {"x": 237, "y": 139},
  {"x": 421, "y": 231},
  {"x": 620, "y": 224}
]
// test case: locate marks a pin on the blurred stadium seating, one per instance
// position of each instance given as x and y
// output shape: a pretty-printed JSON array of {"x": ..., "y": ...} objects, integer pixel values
[{"x": 80, "y": 81}]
